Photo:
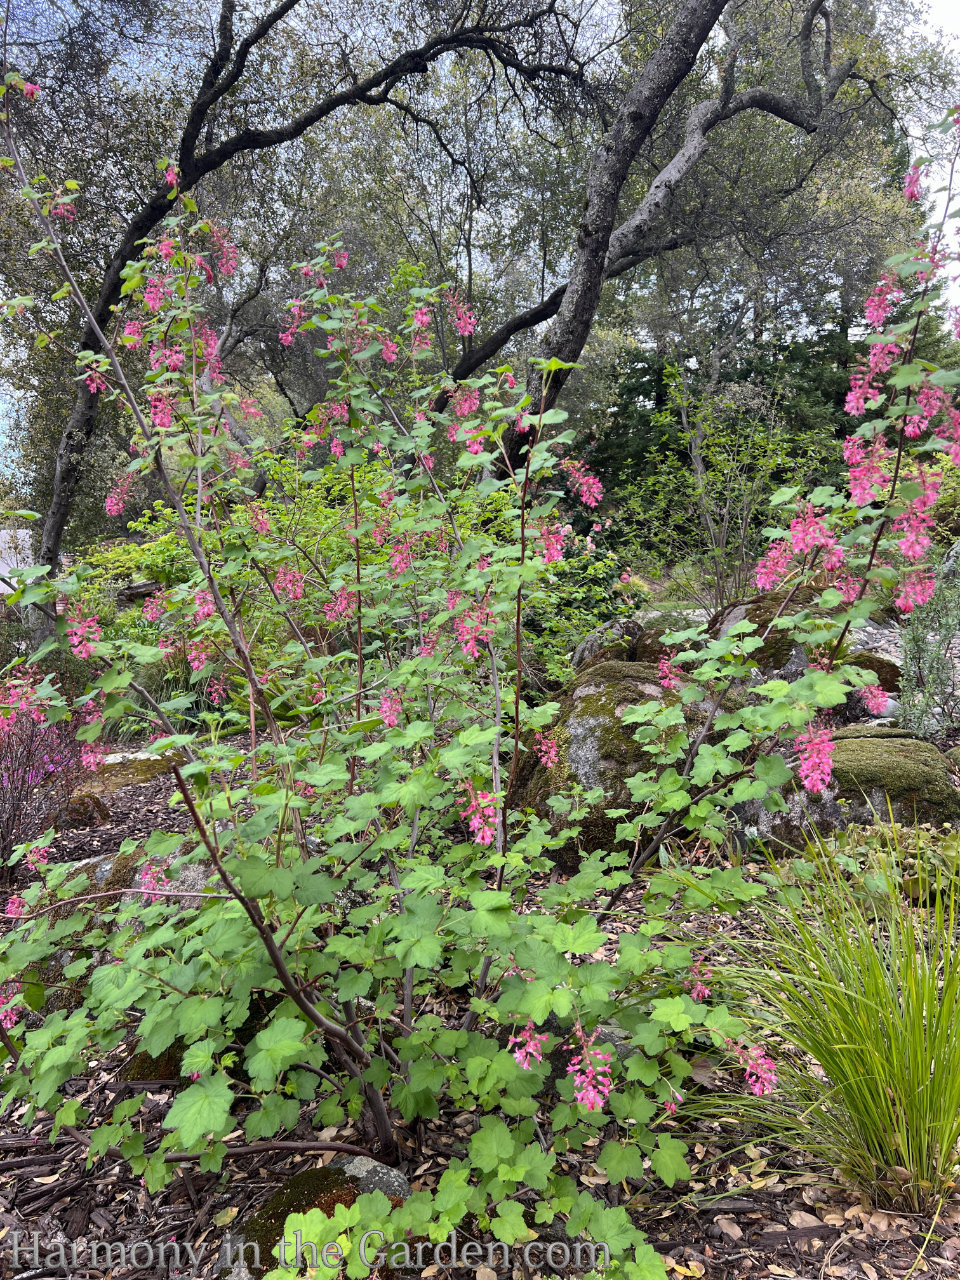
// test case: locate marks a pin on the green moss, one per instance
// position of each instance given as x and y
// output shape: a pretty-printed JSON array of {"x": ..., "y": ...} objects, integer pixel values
[
  {"x": 322, "y": 1189},
  {"x": 912, "y": 773}
]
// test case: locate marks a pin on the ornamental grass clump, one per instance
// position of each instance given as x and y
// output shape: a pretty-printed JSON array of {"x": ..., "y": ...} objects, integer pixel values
[{"x": 864, "y": 985}]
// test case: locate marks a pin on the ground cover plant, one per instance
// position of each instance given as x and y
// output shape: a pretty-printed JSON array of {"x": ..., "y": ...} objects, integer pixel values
[{"x": 379, "y": 935}]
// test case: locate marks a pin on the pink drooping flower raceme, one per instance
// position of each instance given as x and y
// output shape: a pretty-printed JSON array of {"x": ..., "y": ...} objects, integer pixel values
[
  {"x": 153, "y": 882},
  {"x": 547, "y": 749},
  {"x": 389, "y": 350},
  {"x": 16, "y": 906},
  {"x": 696, "y": 984},
  {"x": 258, "y": 519},
  {"x": 809, "y": 533},
  {"x": 340, "y": 259},
  {"x": 916, "y": 589},
  {"x": 582, "y": 484},
  {"x": 343, "y": 605},
  {"x": 38, "y": 858},
  {"x": 203, "y": 606},
  {"x": 198, "y": 654},
  {"x": 481, "y": 814},
  {"x": 815, "y": 751},
  {"x": 527, "y": 1046},
  {"x": 774, "y": 566},
  {"x": 669, "y": 675},
  {"x": 868, "y": 468},
  {"x": 30, "y": 91},
  {"x": 874, "y": 699},
  {"x": 227, "y": 252},
  {"x": 461, "y": 316},
  {"x": 759, "y": 1069},
  {"x": 465, "y": 401},
  {"x": 83, "y": 634},
  {"x": 390, "y": 708},
  {"x": 551, "y": 540},
  {"x": 155, "y": 607},
  {"x": 474, "y": 628},
  {"x": 297, "y": 312},
  {"x": 95, "y": 382},
  {"x": 912, "y": 189},
  {"x": 401, "y": 558},
  {"x": 591, "y": 1074},
  {"x": 881, "y": 302},
  {"x": 9, "y": 1015},
  {"x": 119, "y": 495},
  {"x": 289, "y": 583}
]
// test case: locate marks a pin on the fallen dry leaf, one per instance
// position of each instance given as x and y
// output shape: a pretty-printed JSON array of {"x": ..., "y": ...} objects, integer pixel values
[
  {"x": 801, "y": 1219},
  {"x": 729, "y": 1228}
]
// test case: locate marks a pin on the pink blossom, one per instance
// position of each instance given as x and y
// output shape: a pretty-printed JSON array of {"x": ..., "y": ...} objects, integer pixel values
[
  {"x": 849, "y": 587},
  {"x": 874, "y": 698},
  {"x": 428, "y": 645},
  {"x": 916, "y": 588},
  {"x": 582, "y": 484},
  {"x": 878, "y": 306},
  {"x": 343, "y": 605},
  {"x": 815, "y": 749},
  {"x": 161, "y": 412},
  {"x": 153, "y": 881},
  {"x": 203, "y": 605},
  {"x": 289, "y": 582},
  {"x": 473, "y": 629},
  {"x": 670, "y": 1106},
  {"x": 30, "y": 91},
  {"x": 759, "y": 1072},
  {"x": 198, "y": 655},
  {"x": 481, "y": 814},
  {"x": 8, "y": 1015},
  {"x": 218, "y": 689},
  {"x": 466, "y": 400},
  {"x": 340, "y": 259},
  {"x": 155, "y": 607},
  {"x": 591, "y": 1075},
  {"x": 248, "y": 409},
  {"x": 171, "y": 176},
  {"x": 625, "y": 577},
  {"x": 807, "y": 532},
  {"x": 400, "y": 559},
  {"x": 421, "y": 317},
  {"x": 118, "y": 495},
  {"x": 547, "y": 749},
  {"x": 64, "y": 211},
  {"x": 227, "y": 253},
  {"x": 95, "y": 381},
  {"x": 167, "y": 248},
  {"x": 475, "y": 445},
  {"x": 867, "y": 470},
  {"x": 461, "y": 316},
  {"x": 911, "y": 183},
  {"x": 670, "y": 676},
  {"x": 390, "y": 707},
  {"x": 388, "y": 349},
  {"x": 696, "y": 983},
  {"x": 336, "y": 447},
  {"x": 133, "y": 330},
  {"x": 258, "y": 518},
  {"x": 552, "y": 536},
  {"x": 83, "y": 634},
  {"x": 156, "y": 292},
  {"x": 527, "y": 1046},
  {"x": 38, "y": 858},
  {"x": 16, "y": 906},
  {"x": 427, "y": 461}
]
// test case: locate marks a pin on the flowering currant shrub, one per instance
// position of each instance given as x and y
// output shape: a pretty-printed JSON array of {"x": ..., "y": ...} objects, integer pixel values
[{"x": 370, "y": 881}]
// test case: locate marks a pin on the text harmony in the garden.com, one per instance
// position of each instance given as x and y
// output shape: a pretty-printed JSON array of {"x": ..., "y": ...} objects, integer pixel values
[{"x": 28, "y": 1251}]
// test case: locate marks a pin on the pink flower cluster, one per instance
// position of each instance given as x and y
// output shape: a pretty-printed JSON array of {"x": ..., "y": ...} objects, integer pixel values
[
  {"x": 547, "y": 749},
  {"x": 916, "y": 589},
  {"x": 390, "y": 708},
  {"x": 807, "y": 533},
  {"x": 473, "y": 628},
  {"x": 582, "y": 484},
  {"x": 198, "y": 654},
  {"x": 461, "y": 316},
  {"x": 551, "y": 537},
  {"x": 591, "y": 1074},
  {"x": 203, "y": 606},
  {"x": 16, "y": 906},
  {"x": 154, "y": 881},
  {"x": 289, "y": 582},
  {"x": 759, "y": 1069},
  {"x": 83, "y": 634},
  {"x": 527, "y": 1046},
  {"x": 118, "y": 495},
  {"x": 815, "y": 750},
  {"x": 343, "y": 605},
  {"x": 8, "y": 1015},
  {"x": 481, "y": 815},
  {"x": 669, "y": 675},
  {"x": 874, "y": 699},
  {"x": 696, "y": 983}
]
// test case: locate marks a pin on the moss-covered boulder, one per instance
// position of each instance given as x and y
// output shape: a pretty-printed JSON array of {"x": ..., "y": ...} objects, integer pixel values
[
  {"x": 876, "y": 770},
  {"x": 636, "y": 638},
  {"x": 320, "y": 1188},
  {"x": 595, "y": 749}
]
